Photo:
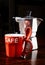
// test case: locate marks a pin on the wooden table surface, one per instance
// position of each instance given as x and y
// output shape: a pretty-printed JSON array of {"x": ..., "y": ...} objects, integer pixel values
[{"x": 36, "y": 57}]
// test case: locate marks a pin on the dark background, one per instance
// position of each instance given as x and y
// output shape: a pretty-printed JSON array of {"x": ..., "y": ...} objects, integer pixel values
[{"x": 10, "y": 8}]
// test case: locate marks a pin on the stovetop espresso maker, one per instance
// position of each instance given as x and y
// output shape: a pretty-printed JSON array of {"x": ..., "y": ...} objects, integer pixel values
[{"x": 31, "y": 23}]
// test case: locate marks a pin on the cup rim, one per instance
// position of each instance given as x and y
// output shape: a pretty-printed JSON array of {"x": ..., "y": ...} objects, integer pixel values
[{"x": 14, "y": 35}]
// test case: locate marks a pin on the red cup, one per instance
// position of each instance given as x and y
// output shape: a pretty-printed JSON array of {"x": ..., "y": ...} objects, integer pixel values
[{"x": 14, "y": 44}]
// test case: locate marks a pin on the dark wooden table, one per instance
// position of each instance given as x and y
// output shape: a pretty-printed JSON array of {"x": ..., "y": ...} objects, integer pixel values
[{"x": 36, "y": 57}]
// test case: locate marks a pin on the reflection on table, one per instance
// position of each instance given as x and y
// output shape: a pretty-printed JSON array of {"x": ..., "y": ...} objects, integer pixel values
[{"x": 34, "y": 57}]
